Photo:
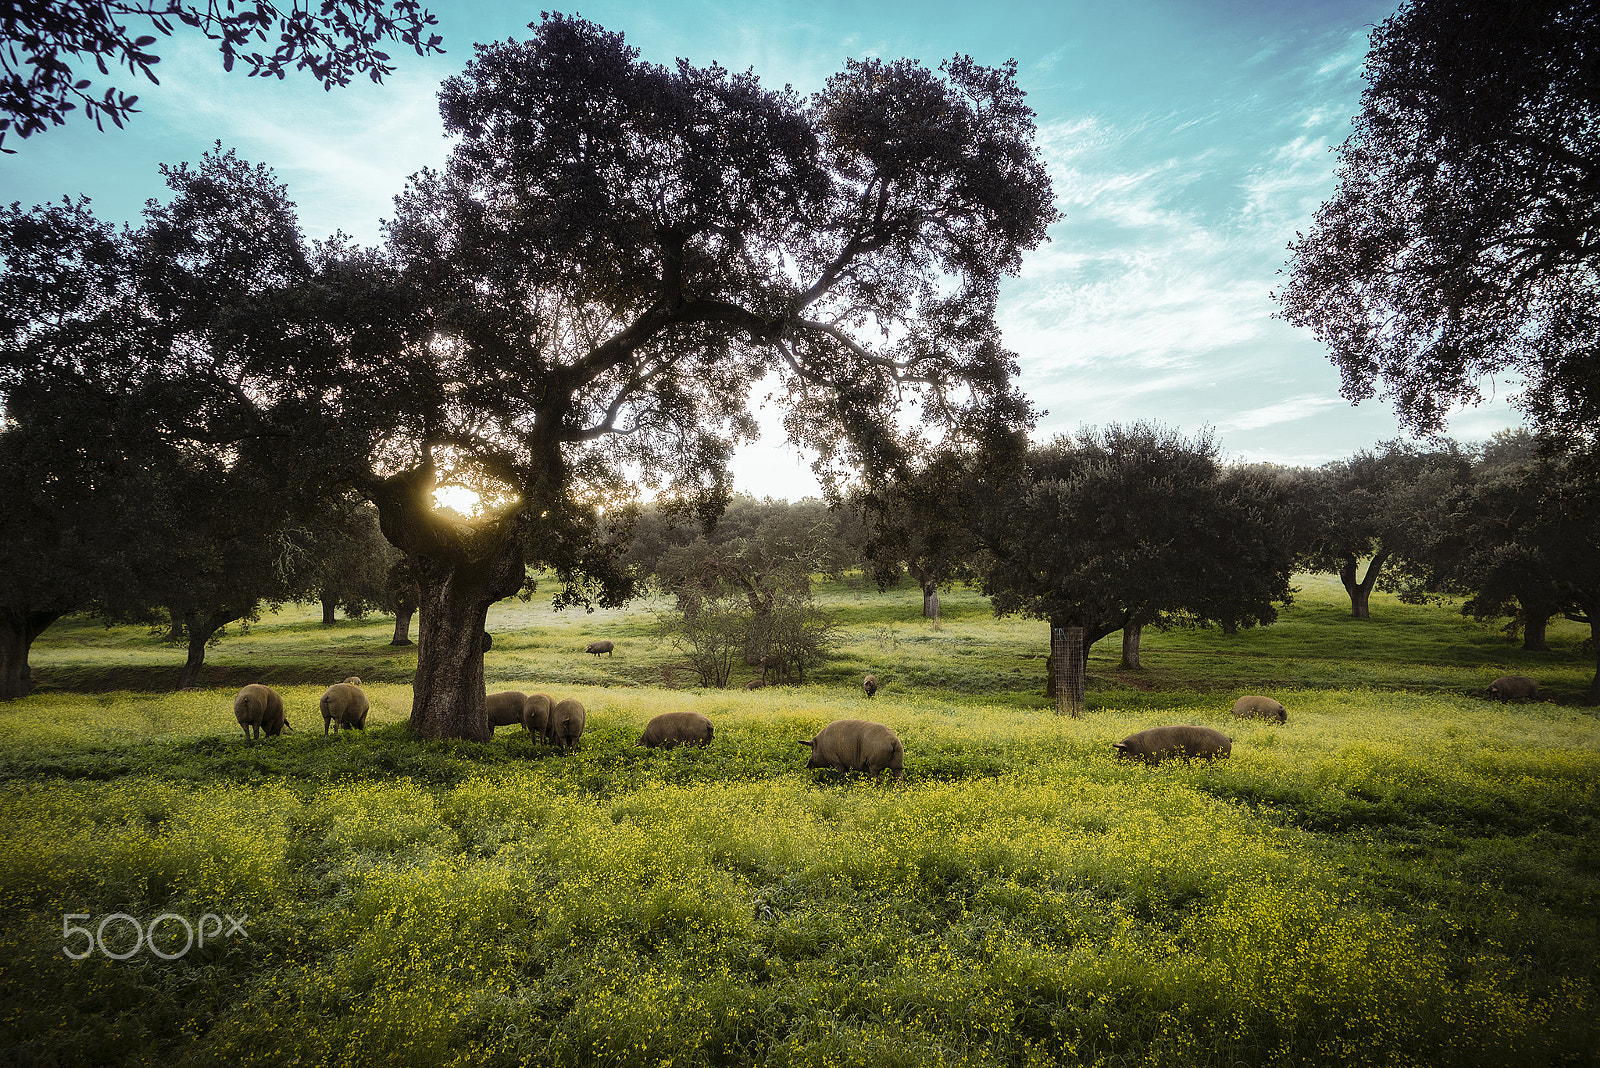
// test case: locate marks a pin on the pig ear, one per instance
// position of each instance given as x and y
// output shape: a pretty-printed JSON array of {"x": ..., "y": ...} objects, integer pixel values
[{"x": 806, "y": 741}]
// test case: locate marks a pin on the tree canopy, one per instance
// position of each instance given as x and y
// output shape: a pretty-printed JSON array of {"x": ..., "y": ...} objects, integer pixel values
[
  {"x": 151, "y": 467},
  {"x": 1129, "y": 526},
  {"x": 617, "y": 251},
  {"x": 1463, "y": 240},
  {"x": 582, "y": 300},
  {"x": 45, "y": 46}
]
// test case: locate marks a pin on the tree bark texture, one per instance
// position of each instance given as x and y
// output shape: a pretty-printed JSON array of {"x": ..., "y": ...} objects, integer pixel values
[
  {"x": 402, "y": 627},
  {"x": 930, "y": 601},
  {"x": 1360, "y": 590},
  {"x": 1132, "y": 635},
  {"x": 327, "y": 612},
  {"x": 1069, "y": 653},
  {"x": 461, "y": 569},
  {"x": 447, "y": 692},
  {"x": 18, "y": 629}
]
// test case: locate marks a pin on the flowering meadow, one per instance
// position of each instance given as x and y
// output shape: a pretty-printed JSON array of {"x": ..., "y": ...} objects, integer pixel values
[{"x": 1395, "y": 876}]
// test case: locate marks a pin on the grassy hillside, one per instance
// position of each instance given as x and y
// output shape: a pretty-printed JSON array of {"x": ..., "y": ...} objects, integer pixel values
[{"x": 1403, "y": 874}]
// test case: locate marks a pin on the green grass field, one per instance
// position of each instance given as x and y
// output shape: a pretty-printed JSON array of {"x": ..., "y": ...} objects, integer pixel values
[{"x": 1403, "y": 874}]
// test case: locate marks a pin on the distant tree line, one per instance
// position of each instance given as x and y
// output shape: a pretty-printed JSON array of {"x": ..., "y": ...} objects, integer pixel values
[{"x": 1128, "y": 527}]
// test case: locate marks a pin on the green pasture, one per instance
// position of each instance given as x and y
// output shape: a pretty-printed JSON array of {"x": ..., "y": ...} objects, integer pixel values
[{"x": 1403, "y": 874}]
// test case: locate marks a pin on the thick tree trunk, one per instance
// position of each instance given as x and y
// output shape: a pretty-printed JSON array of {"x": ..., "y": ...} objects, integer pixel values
[
  {"x": 1070, "y": 654},
  {"x": 930, "y": 601},
  {"x": 462, "y": 568},
  {"x": 402, "y": 627},
  {"x": 175, "y": 631},
  {"x": 18, "y": 629},
  {"x": 1132, "y": 635},
  {"x": 1360, "y": 590},
  {"x": 1534, "y": 627},
  {"x": 448, "y": 688},
  {"x": 200, "y": 629},
  {"x": 327, "y": 612}
]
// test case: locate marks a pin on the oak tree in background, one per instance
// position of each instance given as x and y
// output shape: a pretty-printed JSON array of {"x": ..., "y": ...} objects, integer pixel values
[
  {"x": 1461, "y": 241},
  {"x": 1520, "y": 539},
  {"x": 1373, "y": 507},
  {"x": 1532, "y": 532},
  {"x": 63, "y": 496},
  {"x": 400, "y": 598},
  {"x": 920, "y": 521},
  {"x": 614, "y": 254},
  {"x": 62, "y": 535},
  {"x": 1490, "y": 548},
  {"x": 47, "y": 46},
  {"x": 1128, "y": 526},
  {"x": 346, "y": 560}
]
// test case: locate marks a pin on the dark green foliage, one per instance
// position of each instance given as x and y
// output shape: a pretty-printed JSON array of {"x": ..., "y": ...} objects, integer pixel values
[
  {"x": 49, "y": 41},
  {"x": 922, "y": 521},
  {"x": 348, "y": 564},
  {"x": 1132, "y": 526},
  {"x": 1521, "y": 538},
  {"x": 1459, "y": 244},
  {"x": 169, "y": 480},
  {"x": 1379, "y": 506}
]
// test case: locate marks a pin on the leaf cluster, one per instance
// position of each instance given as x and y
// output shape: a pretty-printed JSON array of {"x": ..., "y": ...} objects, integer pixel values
[
  {"x": 46, "y": 43},
  {"x": 1131, "y": 525},
  {"x": 1461, "y": 242}
]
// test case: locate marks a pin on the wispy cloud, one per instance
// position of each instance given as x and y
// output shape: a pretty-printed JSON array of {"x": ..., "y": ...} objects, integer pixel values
[
  {"x": 1297, "y": 407},
  {"x": 344, "y": 171}
]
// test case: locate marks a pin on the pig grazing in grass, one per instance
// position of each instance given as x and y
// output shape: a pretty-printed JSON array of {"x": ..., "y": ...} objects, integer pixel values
[
  {"x": 536, "y": 714},
  {"x": 344, "y": 705},
  {"x": 505, "y": 707},
  {"x": 677, "y": 728},
  {"x": 1514, "y": 688},
  {"x": 1252, "y": 706},
  {"x": 857, "y": 745},
  {"x": 870, "y": 685},
  {"x": 601, "y": 647},
  {"x": 259, "y": 709},
  {"x": 1156, "y": 744},
  {"x": 565, "y": 724}
]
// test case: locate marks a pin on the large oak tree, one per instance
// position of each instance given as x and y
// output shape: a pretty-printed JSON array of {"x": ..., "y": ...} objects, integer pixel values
[
  {"x": 1463, "y": 240},
  {"x": 617, "y": 252}
]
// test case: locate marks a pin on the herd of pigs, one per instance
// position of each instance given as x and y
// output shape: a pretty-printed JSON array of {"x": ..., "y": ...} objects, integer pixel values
[{"x": 845, "y": 744}]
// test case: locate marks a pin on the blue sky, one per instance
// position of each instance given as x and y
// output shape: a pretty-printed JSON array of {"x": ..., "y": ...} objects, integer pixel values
[{"x": 1187, "y": 141}]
